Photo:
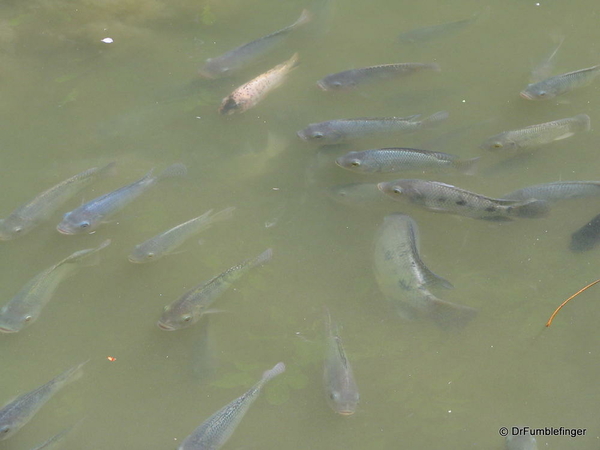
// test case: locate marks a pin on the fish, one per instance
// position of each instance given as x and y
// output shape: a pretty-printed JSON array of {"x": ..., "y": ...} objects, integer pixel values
[
  {"x": 521, "y": 442},
  {"x": 341, "y": 390},
  {"x": 558, "y": 190},
  {"x": 218, "y": 428},
  {"x": 350, "y": 79},
  {"x": 254, "y": 91},
  {"x": 397, "y": 159},
  {"x": 586, "y": 237},
  {"x": 56, "y": 439},
  {"x": 91, "y": 215},
  {"x": 432, "y": 32},
  {"x": 339, "y": 131},
  {"x": 358, "y": 194},
  {"x": 28, "y": 216},
  {"x": 560, "y": 84},
  {"x": 26, "y": 306},
  {"x": 167, "y": 241},
  {"x": 442, "y": 197},
  {"x": 536, "y": 135},
  {"x": 405, "y": 280},
  {"x": 234, "y": 60},
  {"x": 14, "y": 415},
  {"x": 192, "y": 305},
  {"x": 543, "y": 70}
]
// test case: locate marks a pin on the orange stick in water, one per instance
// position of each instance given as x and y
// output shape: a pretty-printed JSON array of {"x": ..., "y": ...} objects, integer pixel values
[{"x": 567, "y": 301}]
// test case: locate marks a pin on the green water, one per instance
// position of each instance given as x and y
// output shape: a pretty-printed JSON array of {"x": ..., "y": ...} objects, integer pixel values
[{"x": 71, "y": 102}]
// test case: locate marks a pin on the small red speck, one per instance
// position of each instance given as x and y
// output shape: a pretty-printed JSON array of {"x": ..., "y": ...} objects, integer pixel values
[{"x": 111, "y": 358}]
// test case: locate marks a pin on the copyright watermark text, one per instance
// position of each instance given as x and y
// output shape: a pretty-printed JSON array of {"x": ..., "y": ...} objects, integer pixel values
[{"x": 546, "y": 431}]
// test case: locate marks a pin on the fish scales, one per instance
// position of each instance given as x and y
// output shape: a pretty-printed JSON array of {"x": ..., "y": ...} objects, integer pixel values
[{"x": 560, "y": 84}]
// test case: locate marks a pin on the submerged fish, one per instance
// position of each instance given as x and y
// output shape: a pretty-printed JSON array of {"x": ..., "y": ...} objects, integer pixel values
[
  {"x": 429, "y": 33},
  {"x": 56, "y": 439},
  {"x": 558, "y": 190},
  {"x": 560, "y": 84},
  {"x": 536, "y": 135},
  {"x": 353, "y": 77},
  {"x": 167, "y": 241},
  {"x": 251, "y": 93},
  {"x": 386, "y": 160},
  {"x": 28, "y": 216},
  {"x": 20, "y": 411},
  {"x": 405, "y": 280},
  {"x": 246, "y": 54},
  {"x": 190, "y": 307},
  {"x": 442, "y": 197},
  {"x": 91, "y": 215},
  {"x": 358, "y": 194},
  {"x": 587, "y": 236},
  {"x": 341, "y": 390},
  {"x": 219, "y": 427},
  {"x": 521, "y": 442},
  {"x": 543, "y": 70},
  {"x": 26, "y": 306},
  {"x": 342, "y": 130}
]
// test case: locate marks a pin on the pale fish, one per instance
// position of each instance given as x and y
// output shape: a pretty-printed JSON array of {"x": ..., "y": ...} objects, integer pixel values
[
  {"x": 56, "y": 439},
  {"x": 560, "y": 84},
  {"x": 91, "y": 215},
  {"x": 558, "y": 190},
  {"x": 18, "y": 412},
  {"x": 219, "y": 427},
  {"x": 521, "y": 442},
  {"x": 341, "y": 391},
  {"x": 28, "y": 216},
  {"x": 192, "y": 305},
  {"x": 167, "y": 241},
  {"x": 254, "y": 91},
  {"x": 432, "y": 32},
  {"x": 26, "y": 306}
]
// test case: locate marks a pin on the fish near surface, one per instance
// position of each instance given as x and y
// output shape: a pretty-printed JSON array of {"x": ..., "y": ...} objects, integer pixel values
[
  {"x": 556, "y": 191},
  {"x": 28, "y": 216},
  {"x": 254, "y": 91},
  {"x": 358, "y": 194},
  {"x": 521, "y": 442},
  {"x": 26, "y": 306},
  {"x": 341, "y": 390},
  {"x": 543, "y": 70},
  {"x": 349, "y": 79},
  {"x": 587, "y": 237},
  {"x": 21, "y": 410},
  {"x": 234, "y": 60},
  {"x": 536, "y": 135},
  {"x": 405, "y": 280},
  {"x": 218, "y": 428},
  {"x": 560, "y": 84},
  {"x": 56, "y": 439},
  {"x": 338, "y": 131},
  {"x": 91, "y": 215},
  {"x": 192, "y": 305},
  {"x": 432, "y": 32},
  {"x": 442, "y": 197},
  {"x": 167, "y": 241}
]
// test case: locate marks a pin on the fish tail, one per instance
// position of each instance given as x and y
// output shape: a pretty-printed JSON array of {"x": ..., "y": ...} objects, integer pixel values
[
  {"x": 450, "y": 315},
  {"x": 467, "y": 166},
  {"x": 582, "y": 122},
  {"x": 108, "y": 170},
  {"x": 434, "y": 119},
  {"x": 305, "y": 17},
  {"x": 262, "y": 258},
  {"x": 72, "y": 374},
  {"x": 432, "y": 66},
  {"x": 292, "y": 63},
  {"x": 530, "y": 209},
  {"x": 224, "y": 214},
  {"x": 89, "y": 256},
  {"x": 278, "y": 369},
  {"x": 173, "y": 171}
]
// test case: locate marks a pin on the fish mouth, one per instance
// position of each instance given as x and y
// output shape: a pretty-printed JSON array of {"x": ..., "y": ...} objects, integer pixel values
[
  {"x": 346, "y": 412},
  {"x": 526, "y": 96},
  {"x": 322, "y": 85},
  {"x": 162, "y": 326},
  {"x": 300, "y": 134},
  {"x": 62, "y": 230},
  {"x": 206, "y": 74},
  {"x": 7, "y": 330},
  {"x": 135, "y": 261},
  {"x": 381, "y": 186}
]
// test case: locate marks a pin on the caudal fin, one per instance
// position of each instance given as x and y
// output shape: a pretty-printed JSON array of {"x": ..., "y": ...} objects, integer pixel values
[
  {"x": 262, "y": 258},
  {"x": 435, "y": 119},
  {"x": 583, "y": 122},
  {"x": 450, "y": 315},
  {"x": 467, "y": 166},
  {"x": 173, "y": 171},
  {"x": 530, "y": 209}
]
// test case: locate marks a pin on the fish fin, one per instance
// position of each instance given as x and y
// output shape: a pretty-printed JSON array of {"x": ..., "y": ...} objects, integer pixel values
[
  {"x": 293, "y": 62},
  {"x": 498, "y": 219},
  {"x": 449, "y": 315},
  {"x": 568, "y": 134},
  {"x": 173, "y": 171},
  {"x": 224, "y": 214},
  {"x": 89, "y": 256},
  {"x": 530, "y": 209},
  {"x": 262, "y": 258},
  {"x": 432, "y": 279},
  {"x": 435, "y": 119},
  {"x": 215, "y": 311},
  {"x": 108, "y": 170},
  {"x": 412, "y": 118},
  {"x": 305, "y": 17},
  {"x": 584, "y": 122},
  {"x": 467, "y": 166}
]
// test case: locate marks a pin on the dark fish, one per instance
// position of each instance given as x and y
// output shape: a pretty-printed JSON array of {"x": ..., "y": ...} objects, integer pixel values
[
  {"x": 338, "y": 131},
  {"x": 558, "y": 190},
  {"x": 560, "y": 84},
  {"x": 442, "y": 197},
  {"x": 349, "y": 79},
  {"x": 239, "y": 57},
  {"x": 405, "y": 280},
  {"x": 587, "y": 236}
]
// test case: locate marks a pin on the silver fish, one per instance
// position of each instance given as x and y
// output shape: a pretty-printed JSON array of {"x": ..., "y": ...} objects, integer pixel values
[
  {"x": 560, "y": 84},
  {"x": 90, "y": 216},
  {"x": 349, "y": 79},
  {"x": 558, "y": 190},
  {"x": 387, "y": 160},
  {"x": 405, "y": 280},
  {"x": 240, "y": 57},
  {"x": 26, "y": 306},
  {"x": 432, "y": 32},
  {"x": 543, "y": 70},
  {"x": 28, "y": 216},
  {"x": 586, "y": 237},
  {"x": 536, "y": 135},
  {"x": 219, "y": 427},
  {"x": 56, "y": 439},
  {"x": 251, "y": 93},
  {"x": 341, "y": 390},
  {"x": 167, "y": 241},
  {"x": 339, "y": 131},
  {"x": 17, "y": 413},
  {"x": 521, "y": 442},
  {"x": 358, "y": 194},
  {"x": 442, "y": 197},
  {"x": 190, "y": 307}
]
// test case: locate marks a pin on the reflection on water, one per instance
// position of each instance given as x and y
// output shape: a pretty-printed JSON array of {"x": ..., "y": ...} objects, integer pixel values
[{"x": 72, "y": 102}]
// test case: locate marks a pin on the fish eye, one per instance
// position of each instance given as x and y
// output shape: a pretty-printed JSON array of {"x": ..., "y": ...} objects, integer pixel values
[
  {"x": 336, "y": 83},
  {"x": 397, "y": 190},
  {"x": 17, "y": 229},
  {"x": 355, "y": 163},
  {"x": 28, "y": 318},
  {"x": 150, "y": 255},
  {"x": 84, "y": 224},
  {"x": 542, "y": 93},
  {"x": 317, "y": 135},
  {"x": 496, "y": 145},
  {"x": 333, "y": 396},
  {"x": 5, "y": 429},
  {"x": 166, "y": 308},
  {"x": 187, "y": 318}
]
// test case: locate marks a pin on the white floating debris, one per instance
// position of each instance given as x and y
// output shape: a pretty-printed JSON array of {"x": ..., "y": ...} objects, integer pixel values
[{"x": 107, "y": 40}]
